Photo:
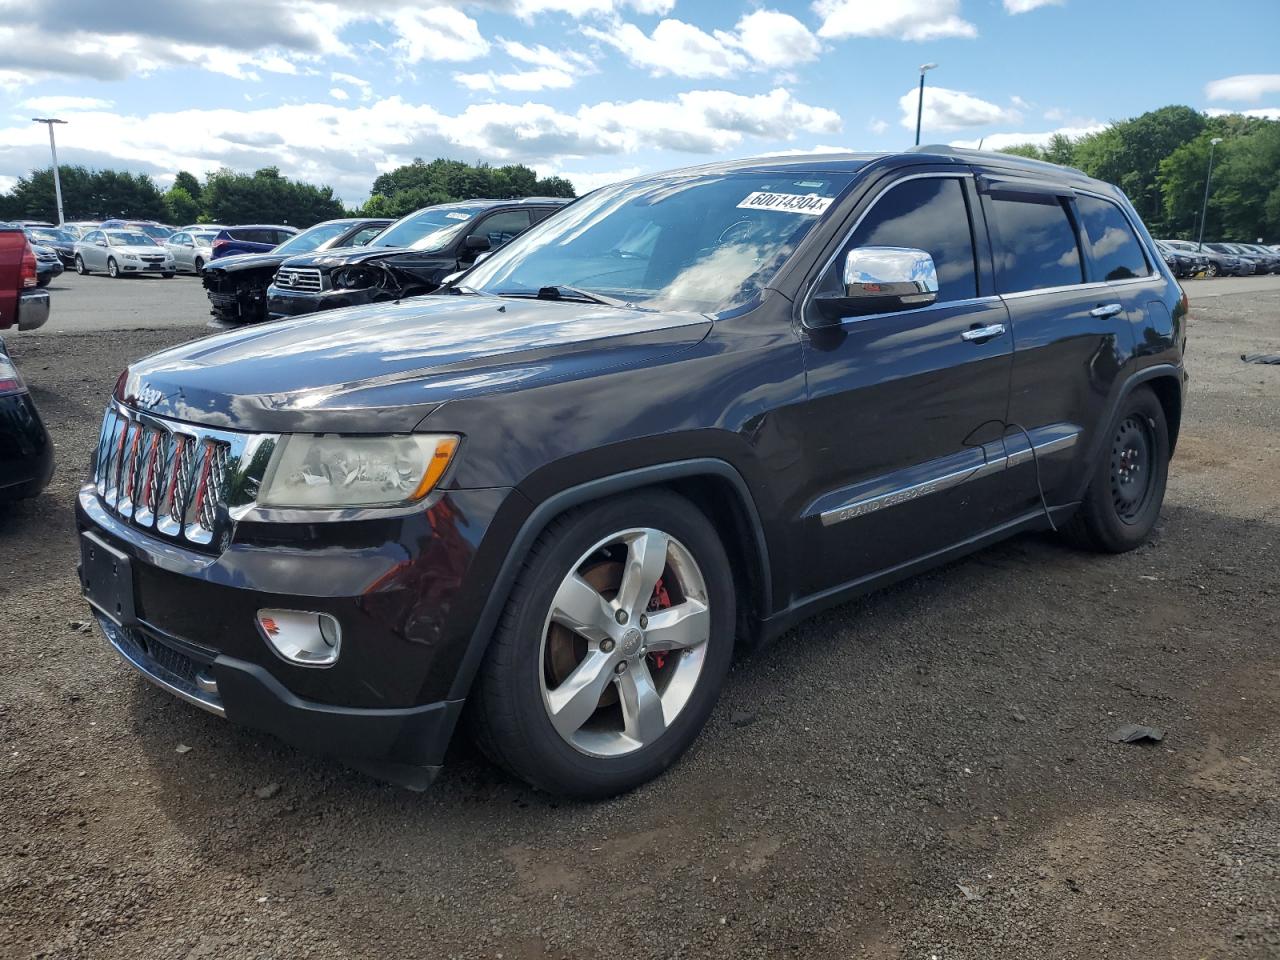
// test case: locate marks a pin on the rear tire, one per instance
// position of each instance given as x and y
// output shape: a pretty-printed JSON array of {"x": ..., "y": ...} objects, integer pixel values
[
  {"x": 610, "y": 739},
  {"x": 113, "y": 268},
  {"x": 1123, "y": 501}
]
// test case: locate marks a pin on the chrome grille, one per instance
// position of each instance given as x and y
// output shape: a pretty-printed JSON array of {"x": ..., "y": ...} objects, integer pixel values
[
  {"x": 177, "y": 480},
  {"x": 303, "y": 280}
]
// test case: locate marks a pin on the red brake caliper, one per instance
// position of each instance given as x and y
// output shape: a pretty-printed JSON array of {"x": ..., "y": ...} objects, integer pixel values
[{"x": 659, "y": 601}]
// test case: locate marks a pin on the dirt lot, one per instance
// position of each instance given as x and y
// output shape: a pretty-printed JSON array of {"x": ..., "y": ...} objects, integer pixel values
[{"x": 925, "y": 773}]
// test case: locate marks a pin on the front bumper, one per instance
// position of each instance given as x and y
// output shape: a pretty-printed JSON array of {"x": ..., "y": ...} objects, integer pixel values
[
  {"x": 399, "y": 588},
  {"x": 282, "y": 304}
]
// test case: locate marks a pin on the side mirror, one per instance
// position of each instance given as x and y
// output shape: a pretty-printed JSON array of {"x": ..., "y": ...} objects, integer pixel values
[
  {"x": 476, "y": 243},
  {"x": 880, "y": 280},
  {"x": 100, "y": 243}
]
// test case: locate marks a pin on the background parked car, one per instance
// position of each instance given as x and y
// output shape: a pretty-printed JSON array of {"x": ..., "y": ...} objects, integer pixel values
[
  {"x": 48, "y": 264},
  {"x": 1183, "y": 263},
  {"x": 215, "y": 227},
  {"x": 122, "y": 252},
  {"x": 250, "y": 238},
  {"x": 1219, "y": 264},
  {"x": 21, "y": 304},
  {"x": 191, "y": 249},
  {"x": 1245, "y": 266},
  {"x": 26, "y": 452},
  {"x": 78, "y": 228},
  {"x": 60, "y": 241},
  {"x": 410, "y": 257},
  {"x": 1267, "y": 257},
  {"x": 158, "y": 232},
  {"x": 237, "y": 286}
]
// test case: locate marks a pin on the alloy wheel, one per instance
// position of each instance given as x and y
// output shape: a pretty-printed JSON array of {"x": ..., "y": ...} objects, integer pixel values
[{"x": 624, "y": 643}]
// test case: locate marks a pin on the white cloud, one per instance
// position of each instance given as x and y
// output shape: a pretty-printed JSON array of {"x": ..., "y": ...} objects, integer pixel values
[
  {"x": 363, "y": 86},
  {"x": 339, "y": 94},
  {"x": 878, "y": 126},
  {"x": 437, "y": 33},
  {"x": 674, "y": 47},
  {"x": 1265, "y": 113},
  {"x": 764, "y": 39},
  {"x": 541, "y": 56},
  {"x": 1026, "y": 6},
  {"x": 998, "y": 141},
  {"x": 525, "y": 81},
  {"x": 347, "y": 145},
  {"x": 1244, "y": 86},
  {"x": 903, "y": 19},
  {"x": 64, "y": 104},
  {"x": 948, "y": 109}
]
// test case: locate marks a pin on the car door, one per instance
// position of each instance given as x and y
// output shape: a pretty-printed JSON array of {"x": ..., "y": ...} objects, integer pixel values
[
  {"x": 179, "y": 245},
  {"x": 905, "y": 409},
  {"x": 1072, "y": 327},
  {"x": 94, "y": 252}
]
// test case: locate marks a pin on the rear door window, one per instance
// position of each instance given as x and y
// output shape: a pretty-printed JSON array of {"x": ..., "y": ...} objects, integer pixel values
[
  {"x": 1114, "y": 251},
  {"x": 1033, "y": 243}
]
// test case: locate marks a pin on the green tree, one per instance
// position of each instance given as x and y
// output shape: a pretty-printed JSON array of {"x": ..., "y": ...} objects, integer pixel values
[
  {"x": 267, "y": 197},
  {"x": 182, "y": 206},
  {"x": 188, "y": 182},
  {"x": 420, "y": 184},
  {"x": 86, "y": 194}
]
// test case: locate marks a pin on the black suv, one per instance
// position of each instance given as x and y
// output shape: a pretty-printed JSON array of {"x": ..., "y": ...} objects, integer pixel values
[
  {"x": 678, "y": 416},
  {"x": 412, "y": 256}
]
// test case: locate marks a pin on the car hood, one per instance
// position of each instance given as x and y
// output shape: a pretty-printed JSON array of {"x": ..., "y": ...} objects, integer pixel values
[
  {"x": 139, "y": 250},
  {"x": 346, "y": 256},
  {"x": 244, "y": 261},
  {"x": 382, "y": 368}
]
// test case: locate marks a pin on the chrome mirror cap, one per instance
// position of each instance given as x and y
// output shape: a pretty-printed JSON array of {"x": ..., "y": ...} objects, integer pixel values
[{"x": 903, "y": 272}]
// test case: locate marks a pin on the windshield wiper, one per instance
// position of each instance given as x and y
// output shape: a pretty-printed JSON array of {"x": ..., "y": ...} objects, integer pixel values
[{"x": 560, "y": 291}]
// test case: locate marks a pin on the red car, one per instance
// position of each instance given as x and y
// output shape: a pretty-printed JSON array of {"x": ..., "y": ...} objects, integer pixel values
[{"x": 22, "y": 304}]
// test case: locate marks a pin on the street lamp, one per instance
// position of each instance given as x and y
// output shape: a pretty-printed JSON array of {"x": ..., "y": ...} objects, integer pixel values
[
  {"x": 1204, "y": 207},
  {"x": 924, "y": 68},
  {"x": 53, "y": 148}
]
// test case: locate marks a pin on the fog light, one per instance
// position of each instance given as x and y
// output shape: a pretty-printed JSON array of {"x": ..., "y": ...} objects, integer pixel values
[{"x": 309, "y": 639}]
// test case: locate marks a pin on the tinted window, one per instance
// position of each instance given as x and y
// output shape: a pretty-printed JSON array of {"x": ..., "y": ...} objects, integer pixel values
[
  {"x": 280, "y": 236},
  {"x": 1033, "y": 244},
  {"x": 180, "y": 240},
  {"x": 254, "y": 236},
  {"x": 929, "y": 215},
  {"x": 362, "y": 237},
  {"x": 503, "y": 226},
  {"x": 1113, "y": 248}
]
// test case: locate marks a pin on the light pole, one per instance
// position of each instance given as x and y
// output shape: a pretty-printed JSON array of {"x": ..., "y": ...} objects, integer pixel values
[
  {"x": 53, "y": 148},
  {"x": 924, "y": 68},
  {"x": 1204, "y": 207}
]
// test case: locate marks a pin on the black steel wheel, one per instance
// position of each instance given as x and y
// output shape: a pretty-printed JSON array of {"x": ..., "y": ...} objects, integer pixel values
[{"x": 1123, "y": 500}]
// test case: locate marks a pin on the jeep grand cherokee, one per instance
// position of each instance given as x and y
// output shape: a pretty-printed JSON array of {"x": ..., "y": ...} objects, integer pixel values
[{"x": 677, "y": 416}]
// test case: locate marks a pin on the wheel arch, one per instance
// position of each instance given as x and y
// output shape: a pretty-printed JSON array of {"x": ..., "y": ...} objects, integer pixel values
[{"x": 713, "y": 485}]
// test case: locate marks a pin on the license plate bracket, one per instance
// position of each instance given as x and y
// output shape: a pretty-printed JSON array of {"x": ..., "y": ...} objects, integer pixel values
[{"x": 106, "y": 580}]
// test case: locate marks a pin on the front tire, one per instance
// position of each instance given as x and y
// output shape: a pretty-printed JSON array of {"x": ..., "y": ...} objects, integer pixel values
[
  {"x": 80, "y": 267},
  {"x": 113, "y": 268},
  {"x": 167, "y": 276},
  {"x": 199, "y": 265},
  {"x": 1212, "y": 271},
  {"x": 612, "y": 649},
  {"x": 1123, "y": 501}
]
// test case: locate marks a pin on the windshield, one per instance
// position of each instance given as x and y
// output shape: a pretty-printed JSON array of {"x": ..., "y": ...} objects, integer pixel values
[
  {"x": 50, "y": 236},
  {"x": 128, "y": 238},
  {"x": 429, "y": 229},
  {"x": 204, "y": 237},
  {"x": 154, "y": 232},
  {"x": 313, "y": 238},
  {"x": 699, "y": 242}
]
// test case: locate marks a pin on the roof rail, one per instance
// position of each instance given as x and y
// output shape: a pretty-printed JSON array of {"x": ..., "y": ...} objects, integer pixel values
[{"x": 966, "y": 153}]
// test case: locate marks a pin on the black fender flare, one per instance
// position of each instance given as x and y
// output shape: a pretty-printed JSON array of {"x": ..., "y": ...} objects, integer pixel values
[
  {"x": 1175, "y": 372},
  {"x": 597, "y": 489}
]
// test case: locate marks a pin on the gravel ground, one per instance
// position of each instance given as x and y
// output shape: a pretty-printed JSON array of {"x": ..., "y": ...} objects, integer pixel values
[{"x": 925, "y": 773}]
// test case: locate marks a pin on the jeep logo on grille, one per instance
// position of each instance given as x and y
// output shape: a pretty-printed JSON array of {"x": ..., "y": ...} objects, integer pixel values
[{"x": 149, "y": 396}]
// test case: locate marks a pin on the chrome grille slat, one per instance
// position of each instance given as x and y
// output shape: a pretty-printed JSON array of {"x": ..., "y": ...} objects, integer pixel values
[
  {"x": 301, "y": 279},
  {"x": 175, "y": 480}
]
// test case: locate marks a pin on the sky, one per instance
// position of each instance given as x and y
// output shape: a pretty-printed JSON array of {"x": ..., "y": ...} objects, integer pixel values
[{"x": 596, "y": 90}]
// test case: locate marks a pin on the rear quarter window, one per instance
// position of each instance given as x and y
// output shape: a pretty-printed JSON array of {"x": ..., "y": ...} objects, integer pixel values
[{"x": 1114, "y": 250}]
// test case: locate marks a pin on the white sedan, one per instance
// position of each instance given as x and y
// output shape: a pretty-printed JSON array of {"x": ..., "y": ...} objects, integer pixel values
[
  {"x": 191, "y": 249},
  {"x": 121, "y": 252}
]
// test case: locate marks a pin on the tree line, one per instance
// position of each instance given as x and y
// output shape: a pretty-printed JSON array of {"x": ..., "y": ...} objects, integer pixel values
[
  {"x": 263, "y": 196},
  {"x": 1161, "y": 159}
]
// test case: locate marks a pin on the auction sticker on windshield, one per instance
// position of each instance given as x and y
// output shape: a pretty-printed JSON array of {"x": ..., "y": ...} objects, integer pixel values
[
  {"x": 810, "y": 204},
  {"x": 457, "y": 216}
]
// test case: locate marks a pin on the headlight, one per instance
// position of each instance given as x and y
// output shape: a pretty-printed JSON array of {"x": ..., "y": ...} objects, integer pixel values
[
  {"x": 353, "y": 278},
  {"x": 131, "y": 256},
  {"x": 337, "y": 471}
]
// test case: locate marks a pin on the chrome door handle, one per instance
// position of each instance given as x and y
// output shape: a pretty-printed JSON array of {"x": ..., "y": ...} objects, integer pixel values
[
  {"x": 1106, "y": 310},
  {"x": 983, "y": 333}
]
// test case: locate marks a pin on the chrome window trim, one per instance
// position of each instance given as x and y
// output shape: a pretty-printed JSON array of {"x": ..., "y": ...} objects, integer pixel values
[
  {"x": 861, "y": 506},
  {"x": 1091, "y": 285},
  {"x": 933, "y": 175}
]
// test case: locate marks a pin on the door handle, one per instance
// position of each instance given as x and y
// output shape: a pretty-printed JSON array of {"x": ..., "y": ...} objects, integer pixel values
[
  {"x": 983, "y": 333},
  {"x": 1106, "y": 310}
]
